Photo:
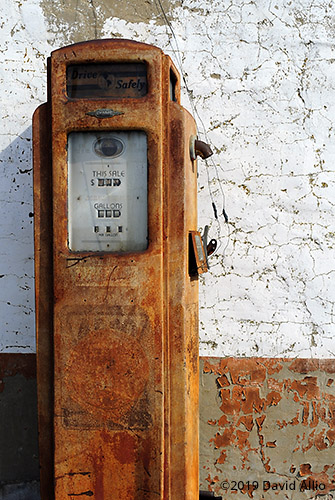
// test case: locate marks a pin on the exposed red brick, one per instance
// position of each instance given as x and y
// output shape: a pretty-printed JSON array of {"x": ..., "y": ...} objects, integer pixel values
[
  {"x": 271, "y": 444},
  {"x": 320, "y": 443},
  {"x": 208, "y": 478},
  {"x": 329, "y": 382},
  {"x": 247, "y": 421},
  {"x": 295, "y": 420},
  {"x": 296, "y": 398},
  {"x": 310, "y": 442},
  {"x": 273, "y": 398},
  {"x": 281, "y": 423},
  {"x": 211, "y": 365},
  {"x": 249, "y": 490},
  {"x": 315, "y": 416},
  {"x": 247, "y": 372},
  {"x": 331, "y": 436},
  {"x": 308, "y": 388},
  {"x": 223, "y": 381},
  {"x": 312, "y": 365},
  {"x": 242, "y": 439},
  {"x": 275, "y": 384},
  {"x": 223, "y": 421},
  {"x": 305, "y": 413},
  {"x": 312, "y": 482},
  {"x": 211, "y": 422},
  {"x": 223, "y": 365},
  {"x": 322, "y": 412},
  {"x": 230, "y": 405},
  {"x": 252, "y": 400},
  {"x": 329, "y": 397},
  {"x": 224, "y": 439},
  {"x": 259, "y": 422},
  {"x": 272, "y": 365},
  {"x": 222, "y": 457}
]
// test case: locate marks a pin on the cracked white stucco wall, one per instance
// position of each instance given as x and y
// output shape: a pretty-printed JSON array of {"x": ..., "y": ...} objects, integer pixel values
[{"x": 261, "y": 76}]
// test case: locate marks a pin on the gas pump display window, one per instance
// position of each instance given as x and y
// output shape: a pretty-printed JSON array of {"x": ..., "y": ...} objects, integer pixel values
[
  {"x": 107, "y": 191},
  {"x": 106, "y": 80}
]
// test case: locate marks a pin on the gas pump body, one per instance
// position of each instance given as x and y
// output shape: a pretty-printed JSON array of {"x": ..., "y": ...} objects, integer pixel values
[{"x": 116, "y": 304}]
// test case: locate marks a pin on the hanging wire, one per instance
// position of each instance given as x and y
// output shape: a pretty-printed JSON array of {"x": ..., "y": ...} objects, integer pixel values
[{"x": 176, "y": 51}]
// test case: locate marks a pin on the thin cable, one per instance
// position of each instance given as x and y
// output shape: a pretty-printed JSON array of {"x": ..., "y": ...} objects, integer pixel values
[{"x": 177, "y": 55}]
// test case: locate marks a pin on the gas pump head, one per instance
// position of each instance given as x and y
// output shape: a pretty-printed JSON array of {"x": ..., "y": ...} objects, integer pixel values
[{"x": 116, "y": 298}]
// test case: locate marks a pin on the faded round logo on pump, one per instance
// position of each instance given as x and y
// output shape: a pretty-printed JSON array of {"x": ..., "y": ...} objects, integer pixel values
[{"x": 107, "y": 373}]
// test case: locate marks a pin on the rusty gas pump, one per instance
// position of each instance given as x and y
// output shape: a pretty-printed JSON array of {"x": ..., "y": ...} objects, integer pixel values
[{"x": 117, "y": 260}]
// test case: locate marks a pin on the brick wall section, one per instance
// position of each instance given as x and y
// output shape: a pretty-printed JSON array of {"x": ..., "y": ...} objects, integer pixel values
[{"x": 267, "y": 427}]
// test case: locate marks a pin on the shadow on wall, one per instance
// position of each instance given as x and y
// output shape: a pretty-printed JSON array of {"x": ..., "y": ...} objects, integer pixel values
[{"x": 16, "y": 246}]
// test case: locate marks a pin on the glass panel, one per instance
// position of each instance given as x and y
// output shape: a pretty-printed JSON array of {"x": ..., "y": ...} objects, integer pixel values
[
  {"x": 106, "y": 80},
  {"x": 107, "y": 191}
]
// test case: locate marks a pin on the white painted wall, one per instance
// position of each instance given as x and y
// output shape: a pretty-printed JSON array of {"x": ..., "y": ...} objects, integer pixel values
[
  {"x": 262, "y": 79},
  {"x": 23, "y": 50}
]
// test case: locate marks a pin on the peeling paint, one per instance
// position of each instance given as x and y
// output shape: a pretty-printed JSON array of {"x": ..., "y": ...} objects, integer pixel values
[
  {"x": 85, "y": 20},
  {"x": 272, "y": 423}
]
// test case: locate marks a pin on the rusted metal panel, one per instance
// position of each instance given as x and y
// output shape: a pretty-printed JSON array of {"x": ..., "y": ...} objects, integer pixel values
[
  {"x": 268, "y": 427},
  {"x": 124, "y": 325},
  {"x": 181, "y": 187},
  {"x": 44, "y": 290}
]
